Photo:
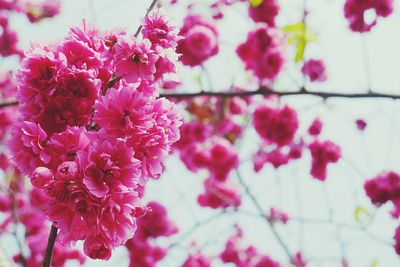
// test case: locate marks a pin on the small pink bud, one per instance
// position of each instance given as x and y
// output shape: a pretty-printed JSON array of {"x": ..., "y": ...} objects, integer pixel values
[{"x": 40, "y": 176}]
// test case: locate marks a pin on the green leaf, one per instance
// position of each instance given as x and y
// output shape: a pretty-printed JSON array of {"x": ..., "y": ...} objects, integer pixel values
[
  {"x": 359, "y": 212},
  {"x": 299, "y": 36},
  {"x": 255, "y": 3},
  {"x": 374, "y": 263}
]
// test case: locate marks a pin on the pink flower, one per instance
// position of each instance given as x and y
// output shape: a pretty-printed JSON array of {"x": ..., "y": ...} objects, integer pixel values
[
  {"x": 79, "y": 54},
  {"x": 27, "y": 145},
  {"x": 160, "y": 31},
  {"x": 266, "y": 261},
  {"x": 361, "y": 124},
  {"x": 354, "y": 12},
  {"x": 262, "y": 52},
  {"x": 64, "y": 146},
  {"x": 72, "y": 103},
  {"x": 38, "y": 11},
  {"x": 41, "y": 176},
  {"x": 134, "y": 60},
  {"x": 397, "y": 240},
  {"x": 222, "y": 158},
  {"x": 265, "y": 12},
  {"x": 198, "y": 260},
  {"x": 37, "y": 79},
  {"x": 8, "y": 39},
  {"x": 314, "y": 69},
  {"x": 219, "y": 195},
  {"x": 275, "y": 125},
  {"x": 200, "y": 41},
  {"x": 149, "y": 125},
  {"x": 323, "y": 153},
  {"x": 315, "y": 127},
  {"x": 155, "y": 223},
  {"x": 108, "y": 167},
  {"x": 277, "y": 215},
  {"x": 383, "y": 188}
]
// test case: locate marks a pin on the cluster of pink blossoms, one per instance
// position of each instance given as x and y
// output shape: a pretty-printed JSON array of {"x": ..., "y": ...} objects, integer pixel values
[
  {"x": 93, "y": 130},
  {"x": 244, "y": 256},
  {"x": 262, "y": 52},
  {"x": 20, "y": 205},
  {"x": 323, "y": 153},
  {"x": 265, "y": 12},
  {"x": 276, "y": 125},
  {"x": 384, "y": 188},
  {"x": 355, "y": 12},
  {"x": 200, "y": 40},
  {"x": 202, "y": 148},
  {"x": 152, "y": 225},
  {"x": 314, "y": 69}
]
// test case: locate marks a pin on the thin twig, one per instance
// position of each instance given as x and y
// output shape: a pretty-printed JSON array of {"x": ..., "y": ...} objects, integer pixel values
[
  {"x": 152, "y": 5},
  {"x": 262, "y": 213}
]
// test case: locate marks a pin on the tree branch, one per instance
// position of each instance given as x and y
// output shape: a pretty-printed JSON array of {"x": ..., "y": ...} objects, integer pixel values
[
  {"x": 50, "y": 246},
  {"x": 267, "y": 91},
  {"x": 261, "y": 91},
  {"x": 152, "y": 5},
  {"x": 262, "y": 213}
]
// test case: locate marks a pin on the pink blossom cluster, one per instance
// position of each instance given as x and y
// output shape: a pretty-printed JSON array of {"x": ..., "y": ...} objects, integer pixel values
[
  {"x": 93, "y": 129},
  {"x": 314, "y": 69},
  {"x": 8, "y": 38},
  {"x": 385, "y": 187},
  {"x": 200, "y": 40},
  {"x": 8, "y": 87},
  {"x": 197, "y": 260},
  {"x": 239, "y": 255},
  {"x": 262, "y": 52},
  {"x": 356, "y": 12},
  {"x": 22, "y": 206},
  {"x": 219, "y": 195},
  {"x": 153, "y": 224},
  {"x": 276, "y": 156},
  {"x": 323, "y": 153},
  {"x": 265, "y": 12},
  {"x": 276, "y": 215},
  {"x": 39, "y": 11},
  {"x": 276, "y": 125}
]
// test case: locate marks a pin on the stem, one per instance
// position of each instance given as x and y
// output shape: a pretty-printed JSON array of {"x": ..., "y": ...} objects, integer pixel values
[
  {"x": 152, "y": 5},
  {"x": 50, "y": 246},
  {"x": 262, "y": 213}
]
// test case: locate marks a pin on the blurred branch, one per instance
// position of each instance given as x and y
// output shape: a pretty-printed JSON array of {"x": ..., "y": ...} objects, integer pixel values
[
  {"x": 152, "y": 5},
  {"x": 262, "y": 213},
  {"x": 267, "y": 91}
]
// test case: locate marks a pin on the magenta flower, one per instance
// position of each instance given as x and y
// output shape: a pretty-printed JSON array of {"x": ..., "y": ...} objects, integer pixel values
[
  {"x": 200, "y": 41},
  {"x": 27, "y": 145},
  {"x": 275, "y": 125},
  {"x": 314, "y": 69},
  {"x": 265, "y": 12},
  {"x": 262, "y": 52},
  {"x": 108, "y": 167},
  {"x": 134, "y": 60},
  {"x": 160, "y": 31}
]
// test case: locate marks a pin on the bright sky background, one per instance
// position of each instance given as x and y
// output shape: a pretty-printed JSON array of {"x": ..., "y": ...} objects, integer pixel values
[{"x": 291, "y": 188}]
